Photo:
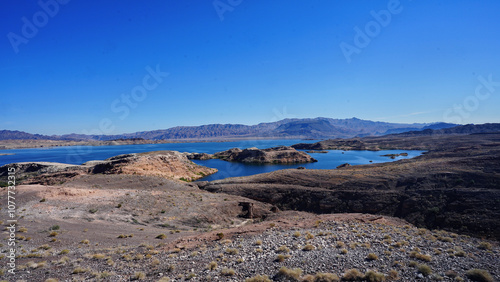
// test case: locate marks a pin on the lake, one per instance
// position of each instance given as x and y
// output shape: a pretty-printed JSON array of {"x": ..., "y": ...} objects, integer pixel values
[{"x": 81, "y": 154}]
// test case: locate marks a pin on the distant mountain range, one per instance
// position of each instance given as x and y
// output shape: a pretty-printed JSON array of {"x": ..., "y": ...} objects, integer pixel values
[
  {"x": 316, "y": 128},
  {"x": 460, "y": 129}
]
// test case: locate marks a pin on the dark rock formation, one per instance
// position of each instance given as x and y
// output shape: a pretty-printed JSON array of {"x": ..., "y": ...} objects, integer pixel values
[
  {"x": 247, "y": 209},
  {"x": 275, "y": 155},
  {"x": 344, "y": 165},
  {"x": 198, "y": 156}
]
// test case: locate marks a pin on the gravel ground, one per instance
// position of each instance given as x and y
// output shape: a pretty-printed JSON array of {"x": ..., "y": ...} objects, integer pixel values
[{"x": 395, "y": 252}]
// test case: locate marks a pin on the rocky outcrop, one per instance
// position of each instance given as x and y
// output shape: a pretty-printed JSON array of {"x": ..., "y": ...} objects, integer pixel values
[
  {"x": 276, "y": 155},
  {"x": 344, "y": 165},
  {"x": 166, "y": 164}
]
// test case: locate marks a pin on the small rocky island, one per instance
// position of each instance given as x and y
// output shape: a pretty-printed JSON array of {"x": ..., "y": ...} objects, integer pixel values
[
  {"x": 393, "y": 156},
  {"x": 275, "y": 155}
]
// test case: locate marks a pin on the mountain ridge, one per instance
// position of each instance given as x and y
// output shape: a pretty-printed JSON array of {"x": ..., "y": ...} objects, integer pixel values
[{"x": 319, "y": 127}]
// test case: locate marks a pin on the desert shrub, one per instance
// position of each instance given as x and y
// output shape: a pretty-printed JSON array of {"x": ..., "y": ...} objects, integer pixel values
[
  {"x": 325, "y": 277},
  {"x": 281, "y": 258},
  {"x": 424, "y": 269},
  {"x": 212, "y": 265},
  {"x": 296, "y": 234},
  {"x": 51, "y": 280},
  {"x": 283, "y": 249},
  {"x": 232, "y": 251},
  {"x": 372, "y": 256},
  {"x": 291, "y": 274},
  {"x": 227, "y": 271},
  {"x": 79, "y": 270},
  {"x": 445, "y": 239},
  {"x": 343, "y": 251},
  {"x": 161, "y": 236},
  {"x": 353, "y": 275},
  {"x": 393, "y": 275},
  {"x": 420, "y": 256},
  {"x": 220, "y": 236},
  {"x": 308, "y": 247},
  {"x": 339, "y": 244},
  {"x": 139, "y": 276},
  {"x": 479, "y": 275},
  {"x": 373, "y": 276},
  {"x": 45, "y": 247},
  {"x": 484, "y": 246},
  {"x": 258, "y": 242},
  {"x": 258, "y": 278},
  {"x": 54, "y": 227},
  {"x": 309, "y": 236},
  {"x": 85, "y": 241},
  {"x": 451, "y": 273},
  {"x": 63, "y": 252},
  {"x": 98, "y": 256}
]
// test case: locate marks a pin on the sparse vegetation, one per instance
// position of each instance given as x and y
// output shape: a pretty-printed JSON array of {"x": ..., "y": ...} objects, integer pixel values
[
  {"x": 258, "y": 278},
  {"x": 325, "y": 277},
  {"x": 292, "y": 274},
  {"x": 373, "y": 276},
  {"x": 283, "y": 249},
  {"x": 484, "y": 246},
  {"x": 417, "y": 255},
  {"x": 424, "y": 269},
  {"x": 227, "y": 271},
  {"x": 139, "y": 276},
  {"x": 232, "y": 251},
  {"x": 372, "y": 256},
  {"x": 308, "y": 247},
  {"x": 161, "y": 236},
  {"x": 282, "y": 258},
  {"x": 353, "y": 275},
  {"x": 79, "y": 270},
  {"x": 479, "y": 275}
]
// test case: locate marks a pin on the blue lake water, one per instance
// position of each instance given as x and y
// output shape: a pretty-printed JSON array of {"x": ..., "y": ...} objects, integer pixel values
[{"x": 81, "y": 154}]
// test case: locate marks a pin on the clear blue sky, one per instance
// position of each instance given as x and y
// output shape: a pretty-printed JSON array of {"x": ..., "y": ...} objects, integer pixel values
[{"x": 255, "y": 61}]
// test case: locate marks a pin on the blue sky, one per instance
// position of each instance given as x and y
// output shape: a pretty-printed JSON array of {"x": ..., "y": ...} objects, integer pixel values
[{"x": 242, "y": 61}]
